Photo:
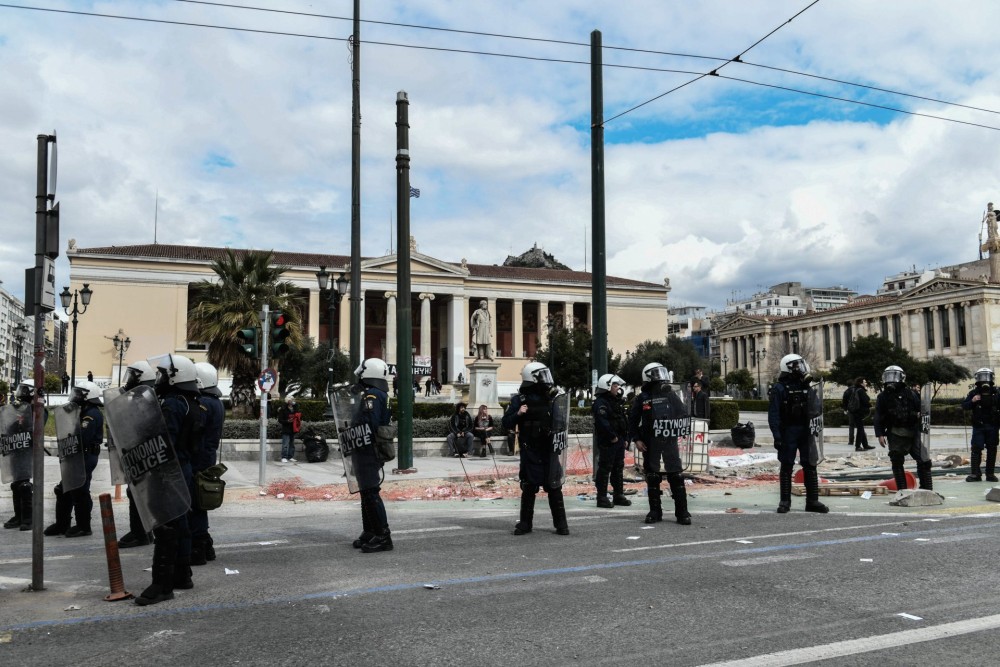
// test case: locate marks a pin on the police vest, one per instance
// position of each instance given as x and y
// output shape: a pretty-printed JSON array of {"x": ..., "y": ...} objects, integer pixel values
[
  {"x": 901, "y": 411},
  {"x": 986, "y": 411},
  {"x": 668, "y": 423},
  {"x": 795, "y": 405},
  {"x": 535, "y": 426}
]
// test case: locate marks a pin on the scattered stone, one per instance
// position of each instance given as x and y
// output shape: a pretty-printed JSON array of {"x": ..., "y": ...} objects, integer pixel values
[
  {"x": 993, "y": 494},
  {"x": 916, "y": 498}
]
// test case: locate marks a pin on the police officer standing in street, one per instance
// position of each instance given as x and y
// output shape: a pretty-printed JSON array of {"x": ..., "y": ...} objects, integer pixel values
[
  {"x": 788, "y": 416},
  {"x": 984, "y": 401},
  {"x": 202, "y": 549},
  {"x": 138, "y": 373},
  {"x": 16, "y": 444},
  {"x": 656, "y": 419},
  {"x": 897, "y": 422},
  {"x": 373, "y": 385},
  {"x": 530, "y": 411},
  {"x": 77, "y": 501},
  {"x": 611, "y": 436}
]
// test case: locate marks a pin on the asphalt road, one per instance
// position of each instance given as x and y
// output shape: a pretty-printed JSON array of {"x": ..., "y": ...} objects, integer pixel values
[{"x": 459, "y": 589}]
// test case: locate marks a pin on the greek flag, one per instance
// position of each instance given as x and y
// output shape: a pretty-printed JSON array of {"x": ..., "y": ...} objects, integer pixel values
[{"x": 414, "y": 192}]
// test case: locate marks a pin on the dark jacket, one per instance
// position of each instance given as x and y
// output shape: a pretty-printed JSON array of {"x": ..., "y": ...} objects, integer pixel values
[
  {"x": 610, "y": 423},
  {"x": 897, "y": 408},
  {"x": 640, "y": 420},
  {"x": 865, "y": 402},
  {"x": 91, "y": 428},
  {"x": 215, "y": 415},
  {"x": 461, "y": 422},
  {"x": 788, "y": 406},
  {"x": 699, "y": 404},
  {"x": 480, "y": 430},
  {"x": 985, "y": 411},
  {"x": 285, "y": 419}
]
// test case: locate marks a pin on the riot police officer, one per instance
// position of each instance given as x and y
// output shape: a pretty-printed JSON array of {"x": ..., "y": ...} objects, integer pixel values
[
  {"x": 610, "y": 438},
  {"x": 206, "y": 457},
  {"x": 530, "y": 411},
  {"x": 138, "y": 373},
  {"x": 897, "y": 422},
  {"x": 788, "y": 415},
  {"x": 18, "y": 439},
  {"x": 656, "y": 419},
  {"x": 176, "y": 386},
  {"x": 373, "y": 387},
  {"x": 984, "y": 401}
]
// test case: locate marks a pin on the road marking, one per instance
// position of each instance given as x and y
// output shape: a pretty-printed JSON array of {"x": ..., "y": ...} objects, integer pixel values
[
  {"x": 531, "y": 586},
  {"x": 18, "y": 561},
  {"x": 811, "y": 654},
  {"x": 958, "y": 538},
  {"x": 426, "y": 530},
  {"x": 763, "y": 560},
  {"x": 259, "y": 543}
]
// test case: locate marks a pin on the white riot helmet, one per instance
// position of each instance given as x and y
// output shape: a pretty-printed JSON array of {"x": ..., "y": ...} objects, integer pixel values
[
  {"x": 605, "y": 381},
  {"x": 208, "y": 378},
  {"x": 655, "y": 372},
  {"x": 373, "y": 372},
  {"x": 86, "y": 391},
  {"x": 24, "y": 393},
  {"x": 176, "y": 371},
  {"x": 537, "y": 373},
  {"x": 893, "y": 375},
  {"x": 984, "y": 376},
  {"x": 139, "y": 373},
  {"x": 794, "y": 363}
]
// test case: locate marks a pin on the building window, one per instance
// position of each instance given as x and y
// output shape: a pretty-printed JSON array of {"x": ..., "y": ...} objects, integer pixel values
[
  {"x": 836, "y": 342},
  {"x": 945, "y": 328},
  {"x": 795, "y": 302},
  {"x": 883, "y": 325},
  {"x": 849, "y": 330},
  {"x": 929, "y": 328},
  {"x": 826, "y": 342},
  {"x": 897, "y": 336},
  {"x": 960, "y": 317}
]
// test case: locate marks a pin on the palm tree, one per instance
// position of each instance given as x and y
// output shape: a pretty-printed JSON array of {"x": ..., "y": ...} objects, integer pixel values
[{"x": 246, "y": 281}]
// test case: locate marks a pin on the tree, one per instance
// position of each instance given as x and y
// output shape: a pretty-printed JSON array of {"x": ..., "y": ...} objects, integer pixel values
[
  {"x": 868, "y": 357},
  {"x": 244, "y": 283},
  {"x": 742, "y": 379},
  {"x": 52, "y": 383},
  {"x": 940, "y": 371},
  {"x": 308, "y": 368},
  {"x": 677, "y": 355},
  {"x": 569, "y": 353},
  {"x": 717, "y": 385}
]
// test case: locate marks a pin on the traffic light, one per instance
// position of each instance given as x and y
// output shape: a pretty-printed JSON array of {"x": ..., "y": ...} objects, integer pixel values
[
  {"x": 279, "y": 333},
  {"x": 248, "y": 339}
]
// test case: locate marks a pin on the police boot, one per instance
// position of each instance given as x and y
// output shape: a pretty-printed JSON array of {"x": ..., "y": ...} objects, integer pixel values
[
  {"x": 132, "y": 539},
  {"x": 991, "y": 463},
  {"x": 975, "y": 473},
  {"x": 679, "y": 494},
  {"x": 26, "y": 493},
  {"x": 198, "y": 552},
  {"x": 15, "y": 521},
  {"x": 382, "y": 541},
  {"x": 785, "y": 488},
  {"x": 618, "y": 485},
  {"x": 64, "y": 512},
  {"x": 182, "y": 573},
  {"x": 164, "y": 556},
  {"x": 82, "y": 507},
  {"x": 523, "y": 526},
  {"x": 811, "y": 478},
  {"x": 558, "y": 509},
  {"x": 602, "y": 490},
  {"x": 209, "y": 545},
  {"x": 899, "y": 475},
  {"x": 655, "y": 506},
  {"x": 367, "y": 533},
  {"x": 924, "y": 475}
]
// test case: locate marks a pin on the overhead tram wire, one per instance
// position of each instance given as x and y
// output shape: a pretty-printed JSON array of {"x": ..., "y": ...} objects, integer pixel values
[
  {"x": 715, "y": 71},
  {"x": 698, "y": 75}
]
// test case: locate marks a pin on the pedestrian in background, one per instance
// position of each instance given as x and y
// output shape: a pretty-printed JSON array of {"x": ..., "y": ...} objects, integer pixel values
[
  {"x": 460, "y": 431},
  {"x": 285, "y": 419},
  {"x": 984, "y": 402}
]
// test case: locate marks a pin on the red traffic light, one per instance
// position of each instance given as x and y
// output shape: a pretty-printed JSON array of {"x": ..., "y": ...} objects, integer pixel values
[{"x": 279, "y": 320}]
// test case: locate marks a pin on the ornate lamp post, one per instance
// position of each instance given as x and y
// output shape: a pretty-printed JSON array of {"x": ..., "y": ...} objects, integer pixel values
[
  {"x": 121, "y": 347},
  {"x": 334, "y": 292},
  {"x": 725, "y": 361},
  {"x": 66, "y": 297},
  {"x": 19, "y": 333},
  {"x": 759, "y": 356}
]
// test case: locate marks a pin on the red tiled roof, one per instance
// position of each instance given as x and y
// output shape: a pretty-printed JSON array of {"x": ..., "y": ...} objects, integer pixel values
[{"x": 296, "y": 259}]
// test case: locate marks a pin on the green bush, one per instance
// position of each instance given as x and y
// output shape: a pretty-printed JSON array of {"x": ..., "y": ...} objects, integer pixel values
[
  {"x": 723, "y": 414},
  {"x": 312, "y": 409}
]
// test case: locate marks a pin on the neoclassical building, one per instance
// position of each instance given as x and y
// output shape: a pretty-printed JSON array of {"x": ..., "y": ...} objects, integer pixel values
[{"x": 148, "y": 290}]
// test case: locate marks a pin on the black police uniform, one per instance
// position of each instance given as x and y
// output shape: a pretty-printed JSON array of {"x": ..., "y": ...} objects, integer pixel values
[
  {"x": 374, "y": 411},
  {"x": 21, "y": 487},
  {"x": 985, "y": 422},
  {"x": 610, "y": 438},
  {"x": 897, "y": 418},
  {"x": 657, "y": 417},
  {"x": 537, "y": 456},
  {"x": 92, "y": 437},
  {"x": 788, "y": 417},
  {"x": 205, "y": 457}
]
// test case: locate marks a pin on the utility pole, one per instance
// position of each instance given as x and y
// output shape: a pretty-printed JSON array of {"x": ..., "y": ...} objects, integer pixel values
[
  {"x": 599, "y": 295},
  {"x": 356, "y": 352},
  {"x": 404, "y": 319},
  {"x": 265, "y": 325}
]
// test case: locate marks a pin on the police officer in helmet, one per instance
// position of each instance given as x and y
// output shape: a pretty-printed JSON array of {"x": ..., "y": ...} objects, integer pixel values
[
  {"x": 18, "y": 419},
  {"x": 202, "y": 549},
  {"x": 984, "y": 402},
  {"x": 788, "y": 417},
  {"x": 530, "y": 411},
  {"x": 373, "y": 385},
  {"x": 611, "y": 436},
  {"x": 656, "y": 419},
  {"x": 138, "y": 373},
  {"x": 897, "y": 423}
]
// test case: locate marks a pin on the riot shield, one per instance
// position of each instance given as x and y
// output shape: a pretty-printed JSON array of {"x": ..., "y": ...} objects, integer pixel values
[
  {"x": 560, "y": 439},
  {"x": 114, "y": 456},
  {"x": 148, "y": 459},
  {"x": 685, "y": 437},
  {"x": 15, "y": 442},
  {"x": 345, "y": 405},
  {"x": 925, "y": 422},
  {"x": 815, "y": 407},
  {"x": 71, "y": 462}
]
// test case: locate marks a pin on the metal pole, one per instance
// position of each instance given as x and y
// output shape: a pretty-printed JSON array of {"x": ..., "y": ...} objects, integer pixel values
[
  {"x": 356, "y": 351},
  {"x": 265, "y": 325},
  {"x": 599, "y": 295},
  {"x": 72, "y": 379},
  {"x": 404, "y": 317},
  {"x": 38, "y": 406}
]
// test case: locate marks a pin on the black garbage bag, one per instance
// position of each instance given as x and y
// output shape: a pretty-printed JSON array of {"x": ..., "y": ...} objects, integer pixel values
[
  {"x": 317, "y": 450},
  {"x": 743, "y": 435}
]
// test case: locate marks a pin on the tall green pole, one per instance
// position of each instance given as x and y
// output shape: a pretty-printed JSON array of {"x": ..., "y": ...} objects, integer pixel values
[
  {"x": 356, "y": 352},
  {"x": 599, "y": 298},
  {"x": 404, "y": 317}
]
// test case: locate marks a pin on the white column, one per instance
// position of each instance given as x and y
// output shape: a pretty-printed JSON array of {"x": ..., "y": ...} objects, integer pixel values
[
  {"x": 316, "y": 304},
  {"x": 936, "y": 321},
  {"x": 491, "y": 305},
  {"x": 517, "y": 328},
  {"x": 568, "y": 313},
  {"x": 967, "y": 316},
  {"x": 390, "y": 327},
  {"x": 456, "y": 338},
  {"x": 543, "y": 321},
  {"x": 952, "y": 326},
  {"x": 425, "y": 323}
]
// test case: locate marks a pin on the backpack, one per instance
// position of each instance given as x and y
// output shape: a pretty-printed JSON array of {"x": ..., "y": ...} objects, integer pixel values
[{"x": 854, "y": 402}]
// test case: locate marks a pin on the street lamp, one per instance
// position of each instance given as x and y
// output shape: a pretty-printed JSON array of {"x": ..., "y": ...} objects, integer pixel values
[
  {"x": 19, "y": 333},
  {"x": 725, "y": 361},
  {"x": 66, "y": 297},
  {"x": 794, "y": 337},
  {"x": 334, "y": 292},
  {"x": 121, "y": 347},
  {"x": 759, "y": 356}
]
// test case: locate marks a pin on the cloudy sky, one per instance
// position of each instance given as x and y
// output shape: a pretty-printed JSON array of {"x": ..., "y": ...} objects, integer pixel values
[{"x": 724, "y": 185}]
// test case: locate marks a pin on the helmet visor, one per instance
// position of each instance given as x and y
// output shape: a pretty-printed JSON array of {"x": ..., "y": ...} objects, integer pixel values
[
  {"x": 657, "y": 374},
  {"x": 984, "y": 376},
  {"x": 543, "y": 376},
  {"x": 892, "y": 375}
]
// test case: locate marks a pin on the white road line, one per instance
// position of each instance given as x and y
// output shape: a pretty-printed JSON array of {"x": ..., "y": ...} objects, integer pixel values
[
  {"x": 426, "y": 530},
  {"x": 763, "y": 560},
  {"x": 811, "y": 654},
  {"x": 19, "y": 561},
  {"x": 258, "y": 543},
  {"x": 959, "y": 538}
]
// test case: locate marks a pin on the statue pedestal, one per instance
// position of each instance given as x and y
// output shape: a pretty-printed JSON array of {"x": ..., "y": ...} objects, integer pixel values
[{"x": 483, "y": 385}]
